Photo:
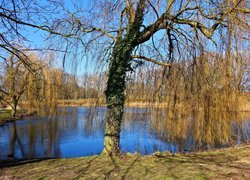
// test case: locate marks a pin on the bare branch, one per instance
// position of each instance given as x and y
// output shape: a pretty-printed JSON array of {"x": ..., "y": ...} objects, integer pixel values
[
  {"x": 99, "y": 30},
  {"x": 151, "y": 60},
  {"x": 44, "y": 28},
  {"x": 169, "y": 5},
  {"x": 154, "y": 9},
  {"x": 162, "y": 21},
  {"x": 92, "y": 29}
]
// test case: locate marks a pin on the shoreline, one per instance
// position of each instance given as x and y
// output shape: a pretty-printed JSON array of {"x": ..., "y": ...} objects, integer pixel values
[
  {"x": 4, "y": 121},
  {"x": 244, "y": 108},
  {"x": 8, "y": 118},
  {"x": 225, "y": 163}
]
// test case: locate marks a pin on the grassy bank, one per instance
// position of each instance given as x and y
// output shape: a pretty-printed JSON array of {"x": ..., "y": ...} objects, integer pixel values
[
  {"x": 244, "y": 105},
  {"x": 93, "y": 102},
  {"x": 5, "y": 115},
  {"x": 226, "y": 163}
]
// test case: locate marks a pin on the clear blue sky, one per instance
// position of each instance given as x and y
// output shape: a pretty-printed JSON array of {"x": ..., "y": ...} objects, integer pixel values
[{"x": 80, "y": 64}]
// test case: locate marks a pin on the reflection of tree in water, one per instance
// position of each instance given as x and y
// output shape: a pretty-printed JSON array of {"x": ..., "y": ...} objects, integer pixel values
[
  {"x": 53, "y": 135},
  {"x": 199, "y": 131},
  {"x": 241, "y": 129},
  {"x": 32, "y": 140},
  {"x": 47, "y": 131},
  {"x": 15, "y": 140},
  {"x": 195, "y": 129},
  {"x": 189, "y": 131},
  {"x": 93, "y": 122},
  {"x": 135, "y": 118}
]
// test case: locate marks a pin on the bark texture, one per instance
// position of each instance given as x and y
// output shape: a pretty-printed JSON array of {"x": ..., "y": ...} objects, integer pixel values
[{"x": 116, "y": 85}]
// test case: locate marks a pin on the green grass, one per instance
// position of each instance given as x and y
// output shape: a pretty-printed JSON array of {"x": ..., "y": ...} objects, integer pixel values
[
  {"x": 5, "y": 111},
  {"x": 5, "y": 114},
  {"x": 219, "y": 164}
]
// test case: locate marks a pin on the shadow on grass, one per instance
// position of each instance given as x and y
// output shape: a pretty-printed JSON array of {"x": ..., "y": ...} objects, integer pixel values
[
  {"x": 83, "y": 171},
  {"x": 224, "y": 165},
  {"x": 111, "y": 167},
  {"x": 19, "y": 162},
  {"x": 129, "y": 168}
]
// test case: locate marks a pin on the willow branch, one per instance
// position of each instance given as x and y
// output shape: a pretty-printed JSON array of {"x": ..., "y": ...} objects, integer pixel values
[
  {"x": 98, "y": 30},
  {"x": 83, "y": 29},
  {"x": 151, "y": 60},
  {"x": 44, "y": 28}
]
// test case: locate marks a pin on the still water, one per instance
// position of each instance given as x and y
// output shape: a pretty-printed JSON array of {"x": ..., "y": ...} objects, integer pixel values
[{"x": 79, "y": 131}]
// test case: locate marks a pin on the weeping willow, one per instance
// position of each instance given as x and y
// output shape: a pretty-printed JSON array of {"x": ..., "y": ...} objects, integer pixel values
[
  {"x": 43, "y": 90},
  {"x": 202, "y": 101}
]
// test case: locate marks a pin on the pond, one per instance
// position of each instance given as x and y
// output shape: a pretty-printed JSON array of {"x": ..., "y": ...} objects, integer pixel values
[{"x": 79, "y": 131}]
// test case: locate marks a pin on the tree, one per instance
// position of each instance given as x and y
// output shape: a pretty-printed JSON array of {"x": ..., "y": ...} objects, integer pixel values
[
  {"x": 16, "y": 17},
  {"x": 14, "y": 83},
  {"x": 124, "y": 31},
  {"x": 121, "y": 57}
]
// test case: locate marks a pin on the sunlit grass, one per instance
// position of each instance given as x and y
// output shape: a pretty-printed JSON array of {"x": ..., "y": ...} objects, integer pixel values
[
  {"x": 226, "y": 163},
  {"x": 5, "y": 113}
]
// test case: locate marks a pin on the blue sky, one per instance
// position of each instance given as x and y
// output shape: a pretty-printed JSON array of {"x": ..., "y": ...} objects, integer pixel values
[
  {"x": 80, "y": 64},
  {"x": 36, "y": 39}
]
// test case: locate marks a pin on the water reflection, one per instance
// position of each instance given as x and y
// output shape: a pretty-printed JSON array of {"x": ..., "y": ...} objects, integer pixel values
[
  {"x": 79, "y": 131},
  {"x": 200, "y": 131}
]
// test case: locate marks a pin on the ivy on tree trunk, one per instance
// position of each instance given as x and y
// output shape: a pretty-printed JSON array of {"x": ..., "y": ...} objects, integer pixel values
[{"x": 116, "y": 85}]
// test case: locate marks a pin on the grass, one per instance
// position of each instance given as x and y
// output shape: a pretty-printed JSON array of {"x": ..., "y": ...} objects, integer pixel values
[
  {"x": 245, "y": 106},
  {"x": 229, "y": 163},
  {"x": 5, "y": 115}
]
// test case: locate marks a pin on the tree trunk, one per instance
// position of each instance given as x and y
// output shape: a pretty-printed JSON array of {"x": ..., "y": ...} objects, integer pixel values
[
  {"x": 14, "y": 107},
  {"x": 115, "y": 95},
  {"x": 115, "y": 92}
]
